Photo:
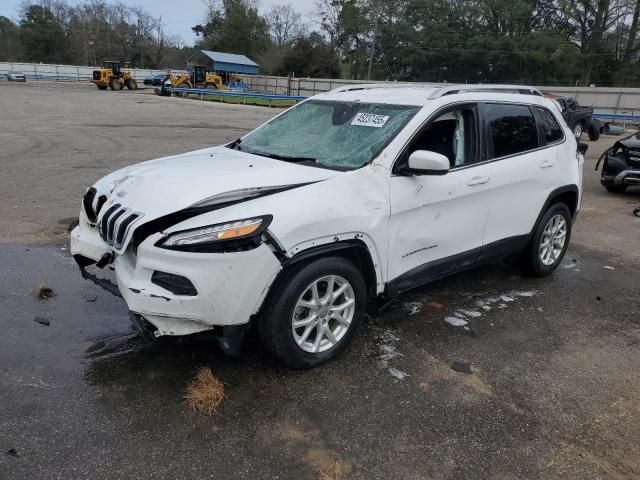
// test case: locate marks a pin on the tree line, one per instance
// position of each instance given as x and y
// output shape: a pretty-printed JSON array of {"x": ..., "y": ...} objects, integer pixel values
[{"x": 561, "y": 42}]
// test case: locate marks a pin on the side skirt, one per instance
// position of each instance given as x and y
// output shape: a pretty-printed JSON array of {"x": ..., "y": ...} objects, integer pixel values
[{"x": 444, "y": 267}]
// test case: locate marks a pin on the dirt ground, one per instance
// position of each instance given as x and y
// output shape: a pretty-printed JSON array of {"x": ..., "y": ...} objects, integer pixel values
[{"x": 554, "y": 390}]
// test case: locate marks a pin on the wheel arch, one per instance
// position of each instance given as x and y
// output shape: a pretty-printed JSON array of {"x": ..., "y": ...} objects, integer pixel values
[
  {"x": 567, "y": 194},
  {"x": 353, "y": 249}
]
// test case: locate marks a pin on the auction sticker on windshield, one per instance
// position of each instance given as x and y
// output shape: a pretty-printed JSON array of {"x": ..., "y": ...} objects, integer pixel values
[{"x": 369, "y": 120}]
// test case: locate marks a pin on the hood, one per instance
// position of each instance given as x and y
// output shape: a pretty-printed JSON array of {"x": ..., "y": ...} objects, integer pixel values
[
  {"x": 205, "y": 177},
  {"x": 631, "y": 142}
]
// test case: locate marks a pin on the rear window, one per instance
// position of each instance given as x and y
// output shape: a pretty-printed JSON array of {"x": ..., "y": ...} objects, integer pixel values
[
  {"x": 511, "y": 128},
  {"x": 551, "y": 131}
]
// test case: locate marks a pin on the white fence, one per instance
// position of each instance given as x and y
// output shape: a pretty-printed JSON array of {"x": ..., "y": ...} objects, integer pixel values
[
  {"x": 603, "y": 99},
  {"x": 40, "y": 71}
]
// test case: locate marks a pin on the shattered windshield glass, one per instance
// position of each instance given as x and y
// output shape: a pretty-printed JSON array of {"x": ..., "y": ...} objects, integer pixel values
[{"x": 338, "y": 135}]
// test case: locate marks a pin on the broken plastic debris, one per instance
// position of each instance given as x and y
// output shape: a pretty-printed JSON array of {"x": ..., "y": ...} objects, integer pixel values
[
  {"x": 13, "y": 452},
  {"x": 462, "y": 367},
  {"x": 471, "y": 313},
  {"x": 399, "y": 374},
  {"x": 607, "y": 267},
  {"x": 455, "y": 321},
  {"x": 42, "y": 321},
  {"x": 413, "y": 307}
]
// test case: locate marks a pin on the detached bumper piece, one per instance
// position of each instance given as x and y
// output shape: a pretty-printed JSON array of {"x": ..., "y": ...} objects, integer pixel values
[
  {"x": 144, "y": 328},
  {"x": 108, "y": 285}
]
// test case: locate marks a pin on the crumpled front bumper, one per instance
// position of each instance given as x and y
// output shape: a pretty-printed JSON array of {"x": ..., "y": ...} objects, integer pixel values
[{"x": 230, "y": 286}]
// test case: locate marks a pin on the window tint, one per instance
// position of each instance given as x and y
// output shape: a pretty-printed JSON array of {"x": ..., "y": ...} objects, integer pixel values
[
  {"x": 551, "y": 131},
  {"x": 512, "y": 129}
]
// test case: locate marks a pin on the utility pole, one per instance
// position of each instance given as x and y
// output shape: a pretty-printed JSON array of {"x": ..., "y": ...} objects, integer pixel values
[{"x": 373, "y": 41}]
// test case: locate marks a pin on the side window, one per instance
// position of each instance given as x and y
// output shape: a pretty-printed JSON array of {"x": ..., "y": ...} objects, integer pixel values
[
  {"x": 551, "y": 131},
  {"x": 511, "y": 129},
  {"x": 451, "y": 134}
]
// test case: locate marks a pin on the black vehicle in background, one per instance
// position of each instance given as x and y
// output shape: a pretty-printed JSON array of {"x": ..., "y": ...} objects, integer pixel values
[
  {"x": 621, "y": 164},
  {"x": 578, "y": 118},
  {"x": 155, "y": 79}
]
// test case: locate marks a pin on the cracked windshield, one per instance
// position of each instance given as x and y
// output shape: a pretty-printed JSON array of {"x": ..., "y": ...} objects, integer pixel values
[{"x": 338, "y": 135}]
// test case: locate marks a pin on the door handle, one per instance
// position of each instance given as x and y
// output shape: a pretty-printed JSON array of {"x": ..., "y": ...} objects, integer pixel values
[
  {"x": 477, "y": 181},
  {"x": 547, "y": 164}
]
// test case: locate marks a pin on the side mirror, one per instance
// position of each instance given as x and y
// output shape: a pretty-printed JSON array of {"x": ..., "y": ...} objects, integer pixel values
[{"x": 425, "y": 162}]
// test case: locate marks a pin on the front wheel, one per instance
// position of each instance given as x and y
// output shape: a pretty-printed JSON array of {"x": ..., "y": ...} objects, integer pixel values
[
  {"x": 314, "y": 312},
  {"x": 549, "y": 243}
]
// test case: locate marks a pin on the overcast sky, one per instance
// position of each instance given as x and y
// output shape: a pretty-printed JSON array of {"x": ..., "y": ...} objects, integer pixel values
[{"x": 177, "y": 16}]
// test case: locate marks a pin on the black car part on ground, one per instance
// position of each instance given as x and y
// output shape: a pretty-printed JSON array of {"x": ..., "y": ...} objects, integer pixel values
[{"x": 621, "y": 164}]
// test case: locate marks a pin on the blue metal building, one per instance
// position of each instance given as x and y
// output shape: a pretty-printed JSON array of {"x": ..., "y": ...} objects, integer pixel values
[{"x": 224, "y": 62}]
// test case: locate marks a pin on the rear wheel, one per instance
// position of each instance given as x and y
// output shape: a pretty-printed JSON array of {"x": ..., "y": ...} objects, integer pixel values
[
  {"x": 115, "y": 84},
  {"x": 616, "y": 188},
  {"x": 549, "y": 243},
  {"x": 132, "y": 84},
  {"x": 314, "y": 312}
]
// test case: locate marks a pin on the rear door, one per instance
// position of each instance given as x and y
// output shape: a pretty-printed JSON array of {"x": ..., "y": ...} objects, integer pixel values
[{"x": 520, "y": 142}]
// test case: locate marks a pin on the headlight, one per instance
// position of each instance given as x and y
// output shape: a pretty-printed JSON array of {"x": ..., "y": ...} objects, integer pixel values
[{"x": 215, "y": 237}]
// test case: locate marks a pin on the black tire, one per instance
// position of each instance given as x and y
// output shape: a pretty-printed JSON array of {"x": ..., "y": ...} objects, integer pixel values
[
  {"x": 275, "y": 327},
  {"x": 132, "y": 84},
  {"x": 114, "y": 84},
  {"x": 594, "y": 133},
  {"x": 616, "y": 188},
  {"x": 530, "y": 262},
  {"x": 102, "y": 87}
]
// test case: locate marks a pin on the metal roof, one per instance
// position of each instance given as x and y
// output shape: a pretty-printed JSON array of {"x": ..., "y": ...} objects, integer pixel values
[{"x": 229, "y": 58}]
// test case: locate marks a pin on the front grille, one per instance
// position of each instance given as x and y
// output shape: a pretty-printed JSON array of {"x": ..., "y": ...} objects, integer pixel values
[
  {"x": 87, "y": 203},
  {"x": 96, "y": 75},
  {"x": 115, "y": 223}
]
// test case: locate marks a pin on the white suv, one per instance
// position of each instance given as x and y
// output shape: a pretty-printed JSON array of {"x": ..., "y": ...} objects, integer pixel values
[{"x": 362, "y": 192}]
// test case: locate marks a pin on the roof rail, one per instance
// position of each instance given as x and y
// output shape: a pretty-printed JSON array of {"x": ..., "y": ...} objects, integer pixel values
[
  {"x": 453, "y": 89},
  {"x": 366, "y": 86}
]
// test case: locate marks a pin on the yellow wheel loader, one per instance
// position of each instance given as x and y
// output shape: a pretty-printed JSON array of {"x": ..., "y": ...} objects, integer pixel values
[{"x": 112, "y": 76}]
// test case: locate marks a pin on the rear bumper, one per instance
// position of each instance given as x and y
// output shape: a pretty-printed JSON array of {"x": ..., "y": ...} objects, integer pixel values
[{"x": 230, "y": 287}]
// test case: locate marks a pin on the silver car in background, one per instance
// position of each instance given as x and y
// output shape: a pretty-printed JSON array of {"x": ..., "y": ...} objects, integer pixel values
[{"x": 16, "y": 77}]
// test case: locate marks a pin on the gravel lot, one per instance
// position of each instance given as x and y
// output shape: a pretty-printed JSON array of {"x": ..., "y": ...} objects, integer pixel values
[{"x": 554, "y": 392}]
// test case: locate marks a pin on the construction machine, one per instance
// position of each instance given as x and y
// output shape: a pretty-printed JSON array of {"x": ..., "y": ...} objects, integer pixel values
[
  {"x": 199, "y": 77},
  {"x": 112, "y": 75}
]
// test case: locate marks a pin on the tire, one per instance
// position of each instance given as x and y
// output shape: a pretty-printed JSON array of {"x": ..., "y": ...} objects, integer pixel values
[
  {"x": 132, "y": 84},
  {"x": 115, "y": 84},
  {"x": 577, "y": 130},
  {"x": 276, "y": 327},
  {"x": 211, "y": 86},
  {"x": 533, "y": 260},
  {"x": 594, "y": 133},
  {"x": 102, "y": 87},
  {"x": 616, "y": 188}
]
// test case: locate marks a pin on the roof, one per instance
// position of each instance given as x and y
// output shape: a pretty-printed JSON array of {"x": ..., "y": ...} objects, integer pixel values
[
  {"x": 229, "y": 58},
  {"x": 420, "y": 95}
]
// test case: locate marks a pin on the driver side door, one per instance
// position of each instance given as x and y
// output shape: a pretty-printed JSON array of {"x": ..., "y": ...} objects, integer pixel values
[{"x": 437, "y": 222}]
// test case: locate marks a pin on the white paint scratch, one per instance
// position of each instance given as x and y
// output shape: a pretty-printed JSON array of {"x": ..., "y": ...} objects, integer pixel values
[{"x": 462, "y": 316}]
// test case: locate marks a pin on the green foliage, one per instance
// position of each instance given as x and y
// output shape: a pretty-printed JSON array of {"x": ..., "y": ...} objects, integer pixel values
[
  {"x": 42, "y": 36},
  {"x": 234, "y": 26}
]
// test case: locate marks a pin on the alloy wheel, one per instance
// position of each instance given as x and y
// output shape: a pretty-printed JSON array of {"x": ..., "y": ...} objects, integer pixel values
[
  {"x": 323, "y": 314},
  {"x": 554, "y": 236}
]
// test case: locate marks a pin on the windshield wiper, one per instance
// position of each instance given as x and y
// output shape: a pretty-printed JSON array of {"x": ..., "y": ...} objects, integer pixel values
[{"x": 285, "y": 158}]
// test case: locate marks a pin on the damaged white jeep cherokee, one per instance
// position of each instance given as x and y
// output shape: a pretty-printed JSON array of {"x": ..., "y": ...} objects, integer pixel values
[{"x": 362, "y": 192}]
